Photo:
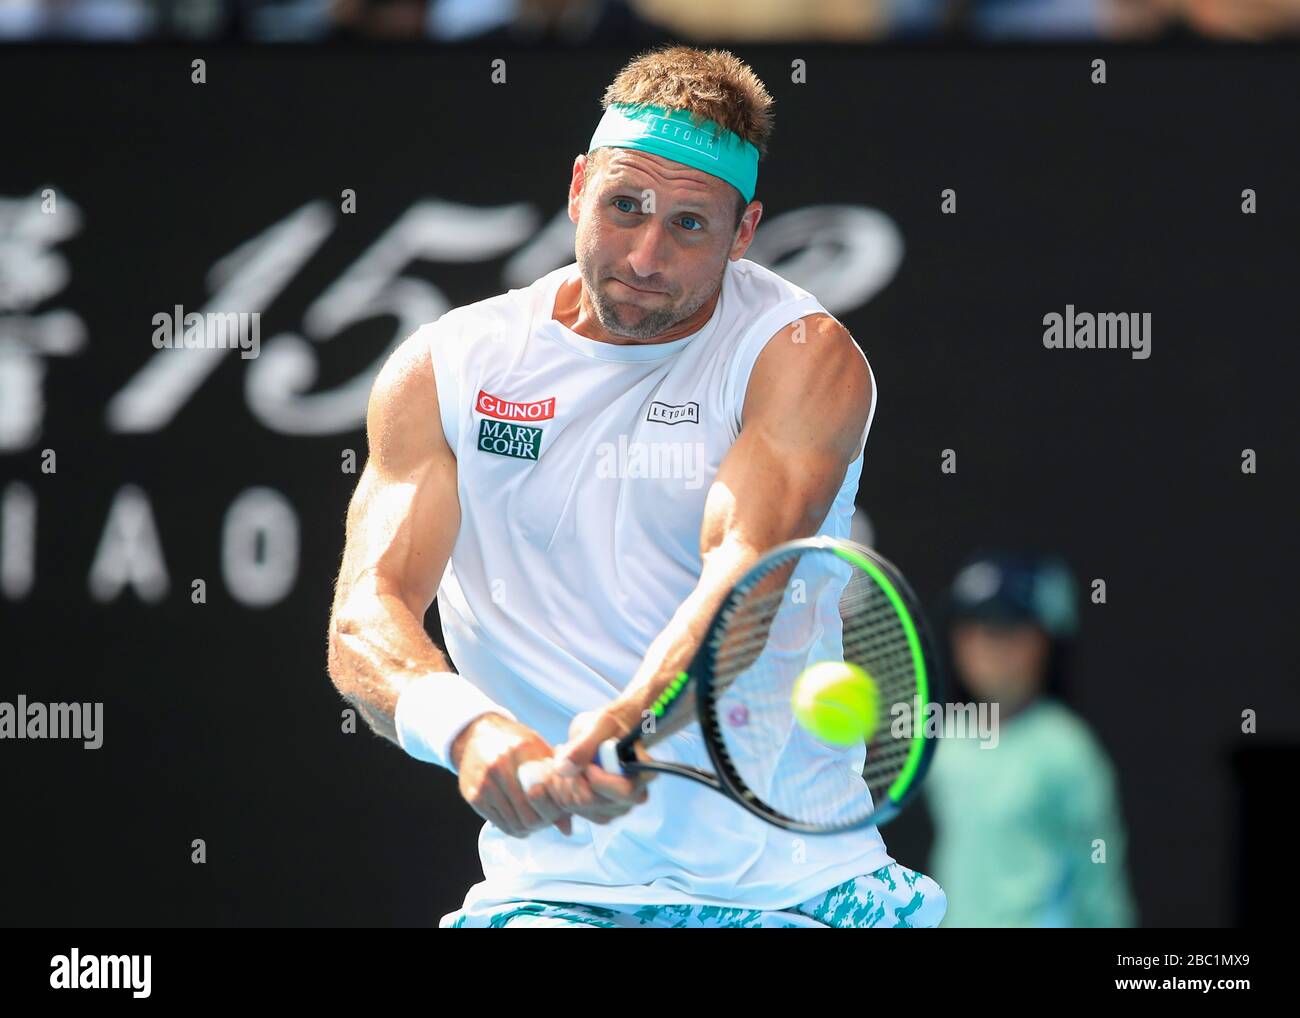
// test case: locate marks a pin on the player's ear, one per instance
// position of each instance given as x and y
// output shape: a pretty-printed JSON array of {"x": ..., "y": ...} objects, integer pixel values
[
  {"x": 745, "y": 230},
  {"x": 577, "y": 184}
]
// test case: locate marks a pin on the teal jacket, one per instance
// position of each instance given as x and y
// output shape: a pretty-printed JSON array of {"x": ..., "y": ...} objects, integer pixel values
[{"x": 1029, "y": 833}]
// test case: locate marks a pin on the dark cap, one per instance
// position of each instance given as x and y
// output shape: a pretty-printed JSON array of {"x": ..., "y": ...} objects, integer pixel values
[{"x": 1017, "y": 588}]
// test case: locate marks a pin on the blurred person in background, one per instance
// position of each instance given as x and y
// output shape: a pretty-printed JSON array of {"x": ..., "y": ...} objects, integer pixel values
[
  {"x": 112, "y": 20},
  {"x": 1017, "y": 817},
  {"x": 558, "y": 22},
  {"x": 121, "y": 20},
  {"x": 771, "y": 20},
  {"x": 1030, "y": 19},
  {"x": 490, "y": 22},
  {"x": 565, "y": 22},
  {"x": 1242, "y": 20},
  {"x": 1245, "y": 20},
  {"x": 379, "y": 20}
]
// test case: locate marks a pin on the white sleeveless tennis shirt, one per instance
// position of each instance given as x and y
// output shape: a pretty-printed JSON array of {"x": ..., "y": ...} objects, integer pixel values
[{"x": 583, "y": 469}]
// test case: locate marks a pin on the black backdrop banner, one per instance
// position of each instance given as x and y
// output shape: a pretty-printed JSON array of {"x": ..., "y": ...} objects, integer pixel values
[{"x": 171, "y": 520}]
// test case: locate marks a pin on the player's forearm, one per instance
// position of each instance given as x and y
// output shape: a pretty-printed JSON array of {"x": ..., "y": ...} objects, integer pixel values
[
  {"x": 376, "y": 647},
  {"x": 675, "y": 647},
  {"x": 765, "y": 503}
]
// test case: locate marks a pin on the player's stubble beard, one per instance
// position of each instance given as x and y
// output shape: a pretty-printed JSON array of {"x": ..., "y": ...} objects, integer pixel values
[{"x": 653, "y": 322}]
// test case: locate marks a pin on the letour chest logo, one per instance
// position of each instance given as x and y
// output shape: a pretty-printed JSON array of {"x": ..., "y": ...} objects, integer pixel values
[{"x": 666, "y": 413}]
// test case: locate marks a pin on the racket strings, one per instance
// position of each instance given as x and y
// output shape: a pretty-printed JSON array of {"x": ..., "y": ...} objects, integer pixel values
[
  {"x": 748, "y": 630},
  {"x": 767, "y": 641}
]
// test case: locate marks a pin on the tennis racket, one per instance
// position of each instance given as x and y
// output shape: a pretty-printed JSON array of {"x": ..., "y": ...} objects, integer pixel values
[{"x": 803, "y": 603}]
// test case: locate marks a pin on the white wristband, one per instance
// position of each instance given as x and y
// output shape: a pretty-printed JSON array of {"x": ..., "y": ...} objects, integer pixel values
[{"x": 433, "y": 710}]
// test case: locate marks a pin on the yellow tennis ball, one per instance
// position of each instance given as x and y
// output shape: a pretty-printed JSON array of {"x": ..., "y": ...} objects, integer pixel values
[{"x": 837, "y": 702}]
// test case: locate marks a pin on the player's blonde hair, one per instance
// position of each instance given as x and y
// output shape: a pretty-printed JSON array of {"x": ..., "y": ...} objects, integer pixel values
[{"x": 709, "y": 84}]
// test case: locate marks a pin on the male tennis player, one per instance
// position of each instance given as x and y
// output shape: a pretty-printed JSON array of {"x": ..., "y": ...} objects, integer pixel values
[{"x": 579, "y": 470}]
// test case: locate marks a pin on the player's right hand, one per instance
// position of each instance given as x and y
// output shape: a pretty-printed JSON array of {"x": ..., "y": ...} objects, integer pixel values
[{"x": 494, "y": 748}]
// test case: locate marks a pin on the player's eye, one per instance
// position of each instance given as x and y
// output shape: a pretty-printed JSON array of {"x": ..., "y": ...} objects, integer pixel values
[
  {"x": 688, "y": 220},
  {"x": 625, "y": 205}
]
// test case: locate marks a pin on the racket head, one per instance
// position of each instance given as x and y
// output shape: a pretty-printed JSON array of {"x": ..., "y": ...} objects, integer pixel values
[{"x": 808, "y": 601}]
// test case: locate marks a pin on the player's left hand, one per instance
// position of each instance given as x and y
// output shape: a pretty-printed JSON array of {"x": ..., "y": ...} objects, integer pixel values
[{"x": 583, "y": 787}]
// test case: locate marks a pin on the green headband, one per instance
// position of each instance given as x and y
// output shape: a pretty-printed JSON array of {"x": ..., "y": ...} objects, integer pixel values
[{"x": 674, "y": 135}]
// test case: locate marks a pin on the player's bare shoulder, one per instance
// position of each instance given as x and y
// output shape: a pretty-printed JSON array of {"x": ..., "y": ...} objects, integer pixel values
[
  {"x": 812, "y": 372},
  {"x": 817, "y": 347},
  {"x": 403, "y": 424}
]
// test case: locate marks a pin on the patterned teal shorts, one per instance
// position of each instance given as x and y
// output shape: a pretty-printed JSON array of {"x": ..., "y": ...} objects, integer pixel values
[{"x": 891, "y": 896}]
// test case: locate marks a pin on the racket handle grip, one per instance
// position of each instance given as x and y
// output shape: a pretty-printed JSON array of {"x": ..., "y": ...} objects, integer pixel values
[
  {"x": 530, "y": 773},
  {"x": 533, "y": 772},
  {"x": 608, "y": 759}
]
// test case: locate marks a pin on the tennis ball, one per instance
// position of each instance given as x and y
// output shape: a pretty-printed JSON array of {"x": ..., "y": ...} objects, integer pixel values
[{"x": 837, "y": 702}]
